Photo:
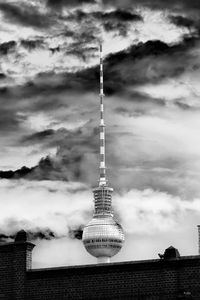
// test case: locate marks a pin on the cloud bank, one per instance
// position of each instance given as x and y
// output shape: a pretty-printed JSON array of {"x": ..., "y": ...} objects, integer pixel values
[{"x": 51, "y": 211}]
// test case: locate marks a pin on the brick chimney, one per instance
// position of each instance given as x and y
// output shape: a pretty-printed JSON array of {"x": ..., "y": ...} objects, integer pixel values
[
  {"x": 198, "y": 226},
  {"x": 15, "y": 259}
]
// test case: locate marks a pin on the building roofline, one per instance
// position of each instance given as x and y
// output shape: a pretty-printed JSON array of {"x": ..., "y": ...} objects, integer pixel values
[{"x": 115, "y": 266}]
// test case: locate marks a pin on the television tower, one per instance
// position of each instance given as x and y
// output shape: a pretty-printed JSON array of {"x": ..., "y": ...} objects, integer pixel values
[{"x": 103, "y": 237}]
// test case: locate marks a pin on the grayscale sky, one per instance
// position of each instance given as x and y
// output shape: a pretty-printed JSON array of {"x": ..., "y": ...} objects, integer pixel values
[{"x": 49, "y": 115}]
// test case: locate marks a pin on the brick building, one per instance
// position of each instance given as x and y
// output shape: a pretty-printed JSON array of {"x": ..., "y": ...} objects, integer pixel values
[{"x": 170, "y": 277}]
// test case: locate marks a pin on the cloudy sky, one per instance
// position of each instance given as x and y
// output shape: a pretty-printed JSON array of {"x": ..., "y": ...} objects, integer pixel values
[{"x": 49, "y": 115}]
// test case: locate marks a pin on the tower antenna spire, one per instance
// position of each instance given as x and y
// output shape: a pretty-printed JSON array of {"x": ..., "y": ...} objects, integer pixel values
[{"x": 102, "y": 167}]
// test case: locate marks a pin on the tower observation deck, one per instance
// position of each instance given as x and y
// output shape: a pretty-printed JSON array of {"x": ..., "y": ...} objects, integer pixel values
[{"x": 103, "y": 236}]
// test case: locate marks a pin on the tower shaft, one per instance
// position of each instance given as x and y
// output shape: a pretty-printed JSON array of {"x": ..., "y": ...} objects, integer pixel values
[{"x": 102, "y": 180}]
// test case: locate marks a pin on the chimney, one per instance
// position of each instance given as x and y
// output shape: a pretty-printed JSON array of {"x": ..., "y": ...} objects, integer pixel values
[
  {"x": 198, "y": 226},
  {"x": 15, "y": 260}
]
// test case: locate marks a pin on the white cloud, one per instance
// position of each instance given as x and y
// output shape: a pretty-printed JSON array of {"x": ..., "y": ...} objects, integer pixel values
[
  {"x": 168, "y": 90},
  {"x": 157, "y": 26},
  {"x": 54, "y": 205},
  {"x": 148, "y": 212},
  {"x": 152, "y": 220}
]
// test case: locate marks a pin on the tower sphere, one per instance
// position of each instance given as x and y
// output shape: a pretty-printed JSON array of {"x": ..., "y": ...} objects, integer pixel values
[{"x": 103, "y": 237}]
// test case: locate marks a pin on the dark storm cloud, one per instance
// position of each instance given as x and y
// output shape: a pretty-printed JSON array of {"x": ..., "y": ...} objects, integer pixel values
[
  {"x": 48, "y": 169},
  {"x": 55, "y": 49},
  {"x": 25, "y": 15},
  {"x": 49, "y": 84},
  {"x": 67, "y": 164},
  {"x": 121, "y": 15},
  {"x": 2, "y": 76},
  {"x": 152, "y": 61},
  {"x": 61, "y": 136},
  {"x": 182, "y": 21},
  {"x": 185, "y": 106},
  {"x": 146, "y": 62},
  {"x": 143, "y": 105},
  {"x": 156, "y": 4},
  {"x": 32, "y": 44},
  {"x": 6, "y": 238},
  {"x": 4, "y": 91},
  {"x": 9, "y": 121},
  {"x": 20, "y": 173},
  {"x": 116, "y": 26},
  {"x": 76, "y": 233},
  {"x": 116, "y": 20},
  {"x": 60, "y": 3},
  {"x": 39, "y": 136},
  {"x": 5, "y": 48},
  {"x": 88, "y": 33},
  {"x": 32, "y": 235},
  {"x": 43, "y": 169},
  {"x": 41, "y": 234},
  {"x": 149, "y": 62},
  {"x": 38, "y": 233},
  {"x": 78, "y": 49},
  {"x": 118, "y": 14},
  {"x": 123, "y": 68},
  {"x": 47, "y": 234}
]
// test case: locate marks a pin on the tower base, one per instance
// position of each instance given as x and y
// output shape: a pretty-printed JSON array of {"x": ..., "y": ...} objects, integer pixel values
[{"x": 103, "y": 260}]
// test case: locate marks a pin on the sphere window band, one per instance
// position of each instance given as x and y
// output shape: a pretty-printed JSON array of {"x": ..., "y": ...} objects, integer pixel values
[
  {"x": 103, "y": 240},
  {"x": 103, "y": 246}
]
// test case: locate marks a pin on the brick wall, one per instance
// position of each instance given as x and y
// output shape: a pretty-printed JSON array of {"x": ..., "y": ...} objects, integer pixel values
[
  {"x": 161, "y": 279},
  {"x": 147, "y": 280}
]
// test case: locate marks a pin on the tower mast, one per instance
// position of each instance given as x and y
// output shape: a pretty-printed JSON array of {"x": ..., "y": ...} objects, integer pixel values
[{"x": 102, "y": 180}]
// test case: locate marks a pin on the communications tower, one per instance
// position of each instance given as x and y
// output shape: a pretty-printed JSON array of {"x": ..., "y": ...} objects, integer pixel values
[{"x": 103, "y": 236}]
